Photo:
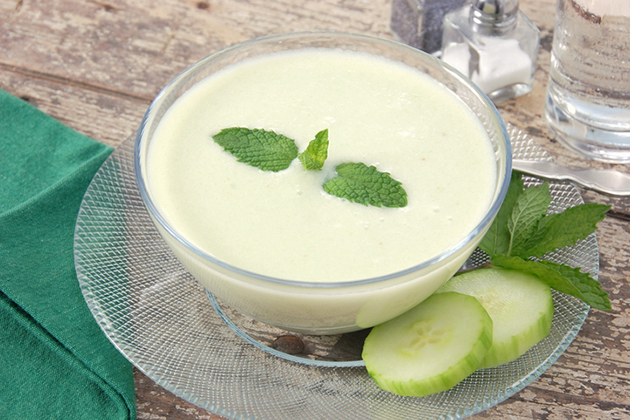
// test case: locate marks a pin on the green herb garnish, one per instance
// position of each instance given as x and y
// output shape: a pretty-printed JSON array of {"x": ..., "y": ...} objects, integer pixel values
[
  {"x": 269, "y": 151},
  {"x": 363, "y": 184},
  {"x": 263, "y": 149},
  {"x": 315, "y": 155},
  {"x": 522, "y": 229}
]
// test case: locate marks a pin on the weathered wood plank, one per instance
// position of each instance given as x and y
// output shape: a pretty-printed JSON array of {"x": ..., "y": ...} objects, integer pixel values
[
  {"x": 137, "y": 47},
  {"x": 104, "y": 116}
]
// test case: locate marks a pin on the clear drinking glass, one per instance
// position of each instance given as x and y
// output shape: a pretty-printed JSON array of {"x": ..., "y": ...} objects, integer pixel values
[{"x": 588, "y": 96}]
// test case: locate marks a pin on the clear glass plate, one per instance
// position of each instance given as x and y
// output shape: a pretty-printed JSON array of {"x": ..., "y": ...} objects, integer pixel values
[{"x": 163, "y": 321}]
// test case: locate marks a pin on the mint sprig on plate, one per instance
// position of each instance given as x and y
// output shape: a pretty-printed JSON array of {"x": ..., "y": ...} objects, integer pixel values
[
  {"x": 523, "y": 230},
  {"x": 270, "y": 151}
]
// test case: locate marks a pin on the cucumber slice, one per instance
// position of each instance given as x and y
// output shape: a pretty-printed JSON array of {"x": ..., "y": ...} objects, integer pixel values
[
  {"x": 430, "y": 348},
  {"x": 520, "y": 305}
]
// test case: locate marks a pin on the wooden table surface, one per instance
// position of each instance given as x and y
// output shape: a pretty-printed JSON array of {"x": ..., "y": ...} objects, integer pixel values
[{"x": 95, "y": 65}]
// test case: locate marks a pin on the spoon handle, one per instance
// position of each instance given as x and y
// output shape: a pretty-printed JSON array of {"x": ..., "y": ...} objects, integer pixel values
[{"x": 602, "y": 180}]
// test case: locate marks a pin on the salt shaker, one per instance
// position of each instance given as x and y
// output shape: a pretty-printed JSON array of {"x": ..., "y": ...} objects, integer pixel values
[{"x": 495, "y": 45}]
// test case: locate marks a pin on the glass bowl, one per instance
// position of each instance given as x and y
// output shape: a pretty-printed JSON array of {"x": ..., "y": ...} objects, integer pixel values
[{"x": 323, "y": 307}]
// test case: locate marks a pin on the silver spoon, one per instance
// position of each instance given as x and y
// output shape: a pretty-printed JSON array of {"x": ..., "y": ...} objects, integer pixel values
[{"x": 606, "y": 181}]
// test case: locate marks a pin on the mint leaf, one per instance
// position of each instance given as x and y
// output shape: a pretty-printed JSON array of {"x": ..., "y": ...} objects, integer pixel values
[
  {"x": 561, "y": 277},
  {"x": 263, "y": 149},
  {"x": 497, "y": 239},
  {"x": 590, "y": 288},
  {"x": 316, "y": 153},
  {"x": 530, "y": 207},
  {"x": 557, "y": 231},
  {"x": 552, "y": 278},
  {"x": 363, "y": 184}
]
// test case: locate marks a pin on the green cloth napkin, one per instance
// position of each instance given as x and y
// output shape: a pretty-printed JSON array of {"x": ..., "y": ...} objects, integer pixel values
[{"x": 55, "y": 362}]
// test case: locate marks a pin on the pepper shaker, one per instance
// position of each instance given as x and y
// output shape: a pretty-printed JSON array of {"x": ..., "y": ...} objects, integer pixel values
[
  {"x": 419, "y": 22},
  {"x": 494, "y": 44}
]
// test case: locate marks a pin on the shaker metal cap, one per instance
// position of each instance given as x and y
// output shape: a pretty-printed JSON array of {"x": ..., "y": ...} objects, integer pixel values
[{"x": 494, "y": 12}]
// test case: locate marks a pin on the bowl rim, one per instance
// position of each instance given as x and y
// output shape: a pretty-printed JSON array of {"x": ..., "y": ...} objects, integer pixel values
[{"x": 161, "y": 220}]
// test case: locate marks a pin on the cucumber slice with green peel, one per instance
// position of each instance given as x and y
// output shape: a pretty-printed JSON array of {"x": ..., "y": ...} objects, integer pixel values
[
  {"x": 520, "y": 305},
  {"x": 430, "y": 348}
]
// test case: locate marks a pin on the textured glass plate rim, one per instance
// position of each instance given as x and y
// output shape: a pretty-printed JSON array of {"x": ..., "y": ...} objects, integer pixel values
[{"x": 166, "y": 378}]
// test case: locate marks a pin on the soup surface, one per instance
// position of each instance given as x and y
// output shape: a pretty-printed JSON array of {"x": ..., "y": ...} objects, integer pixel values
[{"x": 284, "y": 224}]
